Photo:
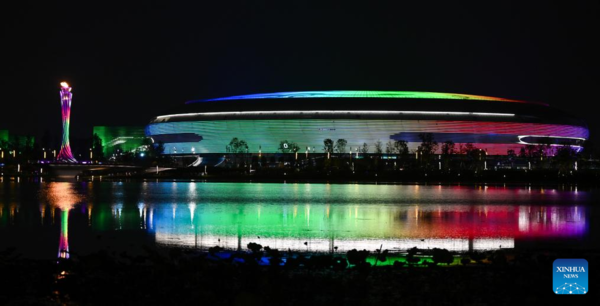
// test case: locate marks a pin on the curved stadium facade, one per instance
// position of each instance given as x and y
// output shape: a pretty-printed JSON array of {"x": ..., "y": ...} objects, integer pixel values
[{"x": 496, "y": 125}]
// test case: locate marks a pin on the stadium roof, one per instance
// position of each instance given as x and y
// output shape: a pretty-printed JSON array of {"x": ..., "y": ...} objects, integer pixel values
[{"x": 364, "y": 94}]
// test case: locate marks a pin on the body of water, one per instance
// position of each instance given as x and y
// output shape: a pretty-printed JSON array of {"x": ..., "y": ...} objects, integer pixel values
[{"x": 46, "y": 220}]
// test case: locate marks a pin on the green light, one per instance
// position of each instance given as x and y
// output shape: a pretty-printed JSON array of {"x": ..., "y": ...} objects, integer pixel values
[
  {"x": 126, "y": 138},
  {"x": 4, "y": 135}
]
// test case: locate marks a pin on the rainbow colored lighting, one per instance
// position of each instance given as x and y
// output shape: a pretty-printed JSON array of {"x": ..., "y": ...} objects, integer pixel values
[
  {"x": 365, "y": 94},
  {"x": 65, "y": 154},
  {"x": 63, "y": 245}
]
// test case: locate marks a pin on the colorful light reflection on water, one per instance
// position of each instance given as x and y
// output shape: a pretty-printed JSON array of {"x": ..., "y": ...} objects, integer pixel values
[{"x": 309, "y": 217}]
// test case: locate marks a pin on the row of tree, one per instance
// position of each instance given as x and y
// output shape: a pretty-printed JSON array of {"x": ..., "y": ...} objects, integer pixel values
[{"x": 428, "y": 154}]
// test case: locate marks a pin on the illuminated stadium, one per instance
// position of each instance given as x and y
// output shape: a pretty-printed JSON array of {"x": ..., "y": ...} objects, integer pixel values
[{"x": 493, "y": 124}]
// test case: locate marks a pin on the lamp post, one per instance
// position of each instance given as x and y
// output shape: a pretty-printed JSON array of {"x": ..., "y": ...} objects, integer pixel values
[{"x": 91, "y": 154}]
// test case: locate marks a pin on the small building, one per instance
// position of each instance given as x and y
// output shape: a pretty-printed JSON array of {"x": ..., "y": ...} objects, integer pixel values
[{"x": 117, "y": 139}]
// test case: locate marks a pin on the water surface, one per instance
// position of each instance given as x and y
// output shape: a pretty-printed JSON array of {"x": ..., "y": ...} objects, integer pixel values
[{"x": 56, "y": 219}]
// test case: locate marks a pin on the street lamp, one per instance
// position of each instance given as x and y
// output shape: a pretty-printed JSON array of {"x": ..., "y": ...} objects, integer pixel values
[{"x": 91, "y": 154}]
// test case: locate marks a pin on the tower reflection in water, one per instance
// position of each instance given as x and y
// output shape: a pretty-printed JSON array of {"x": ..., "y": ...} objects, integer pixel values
[{"x": 63, "y": 197}]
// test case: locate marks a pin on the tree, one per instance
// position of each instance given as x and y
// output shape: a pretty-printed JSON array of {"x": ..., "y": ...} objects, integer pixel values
[
  {"x": 237, "y": 146},
  {"x": 428, "y": 144},
  {"x": 529, "y": 151},
  {"x": 448, "y": 148},
  {"x": 447, "y": 152},
  {"x": 340, "y": 146},
  {"x": 364, "y": 149},
  {"x": 288, "y": 147},
  {"x": 378, "y": 147},
  {"x": 543, "y": 150},
  {"x": 427, "y": 148},
  {"x": 389, "y": 147},
  {"x": 565, "y": 157},
  {"x": 98, "y": 148},
  {"x": 401, "y": 147},
  {"x": 328, "y": 145}
]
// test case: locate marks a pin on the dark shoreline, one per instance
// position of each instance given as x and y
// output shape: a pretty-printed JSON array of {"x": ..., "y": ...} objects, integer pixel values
[{"x": 185, "y": 277}]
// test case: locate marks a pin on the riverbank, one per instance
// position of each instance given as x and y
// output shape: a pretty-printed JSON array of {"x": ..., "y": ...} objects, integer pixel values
[
  {"x": 176, "y": 276},
  {"x": 497, "y": 178}
]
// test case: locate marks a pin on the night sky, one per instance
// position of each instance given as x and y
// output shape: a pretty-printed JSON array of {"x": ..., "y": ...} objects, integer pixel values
[{"x": 128, "y": 63}]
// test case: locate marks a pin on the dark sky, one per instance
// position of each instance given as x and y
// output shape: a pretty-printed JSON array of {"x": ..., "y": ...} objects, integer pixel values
[{"x": 129, "y": 62}]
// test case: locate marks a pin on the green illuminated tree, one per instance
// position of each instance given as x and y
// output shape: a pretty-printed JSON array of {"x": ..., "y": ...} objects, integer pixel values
[
  {"x": 288, "y": 147},
  {"x": 237, "y": 148}
]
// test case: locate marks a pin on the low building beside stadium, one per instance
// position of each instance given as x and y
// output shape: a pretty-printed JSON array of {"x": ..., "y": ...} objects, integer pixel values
[{"x": 116, "y": 139}]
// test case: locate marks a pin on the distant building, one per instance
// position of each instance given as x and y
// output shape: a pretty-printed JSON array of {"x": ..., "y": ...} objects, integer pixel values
[
  {"x": 266, "y": 121},
  {"x": 120, "y": 138}
]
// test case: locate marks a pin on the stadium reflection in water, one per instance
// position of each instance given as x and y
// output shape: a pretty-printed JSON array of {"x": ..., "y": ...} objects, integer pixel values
[{"x": 315, "y": 217}]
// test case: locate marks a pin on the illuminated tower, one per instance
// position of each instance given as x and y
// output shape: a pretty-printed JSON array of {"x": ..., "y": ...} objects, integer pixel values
[{"x": 65, "y": 154}]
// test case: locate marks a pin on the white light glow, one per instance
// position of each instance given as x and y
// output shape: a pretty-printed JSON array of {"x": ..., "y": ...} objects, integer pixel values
[
  {"x": 545, "y": 136},
  {"x": 325, "y": 112}
]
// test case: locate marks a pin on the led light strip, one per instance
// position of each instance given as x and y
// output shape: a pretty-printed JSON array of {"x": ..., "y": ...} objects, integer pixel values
[
  {"x": 553, "y": 144},
  {"x": 338, "y": 113},
  {"x": 364, "y": 94}
]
